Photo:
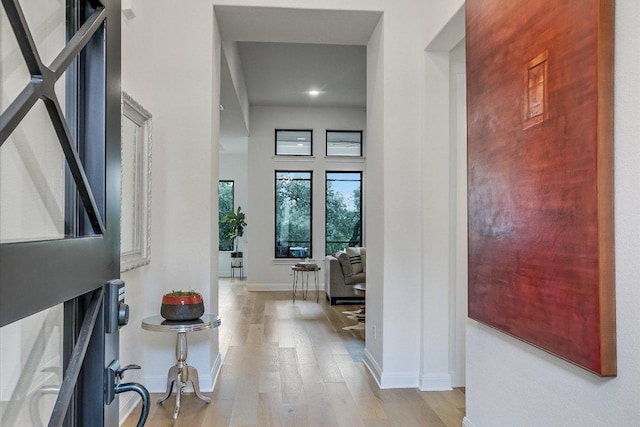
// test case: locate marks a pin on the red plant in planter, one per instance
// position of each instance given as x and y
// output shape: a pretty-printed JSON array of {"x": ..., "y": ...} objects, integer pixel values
[{"x": 179, "y": 306}]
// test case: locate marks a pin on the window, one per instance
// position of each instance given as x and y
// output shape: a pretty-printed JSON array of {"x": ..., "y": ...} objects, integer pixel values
[
  {"x": 225, "y": 205},
  {"x": 294, "y": 142},
  {"x": 344, "y": 143},
  {"x": 293, "y": 214},
  {"x": 343, "y": 210}
]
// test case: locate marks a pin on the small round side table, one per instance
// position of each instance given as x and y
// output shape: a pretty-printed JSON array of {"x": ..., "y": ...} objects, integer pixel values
[{"x": 181, "y": 373}]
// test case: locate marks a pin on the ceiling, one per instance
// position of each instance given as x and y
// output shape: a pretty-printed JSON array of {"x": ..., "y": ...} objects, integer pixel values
[
  {"x": 287, "y": 52},
  {"x": 284, "y": 73}
]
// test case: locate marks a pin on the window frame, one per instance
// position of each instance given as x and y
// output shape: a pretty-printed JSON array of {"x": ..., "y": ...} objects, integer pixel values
[
  {"x": 294, "y": 130},
  {"x": 233, "y": 206},
  {"x": 326, "y": 142},
  {"x": 275, "y": 213},
  {"x": 326, "y": 211}
]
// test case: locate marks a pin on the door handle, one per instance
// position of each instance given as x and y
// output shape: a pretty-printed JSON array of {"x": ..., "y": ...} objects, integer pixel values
[
  {"x": 144, "y": 394},
  {"x": 114, "y": 375}
]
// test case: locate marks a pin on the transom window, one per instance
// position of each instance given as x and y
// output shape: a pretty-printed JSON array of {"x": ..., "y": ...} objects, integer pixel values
[
  {"x": 292, "y": 142},
  {"x": 344, "y": 143}
]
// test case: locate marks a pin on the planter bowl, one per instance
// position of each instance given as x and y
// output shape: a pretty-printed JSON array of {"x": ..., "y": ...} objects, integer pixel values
[{"x": 180, "y": 308}]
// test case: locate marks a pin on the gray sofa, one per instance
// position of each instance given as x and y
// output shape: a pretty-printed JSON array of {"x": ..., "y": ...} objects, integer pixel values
[{"x": 339, "y": 289}]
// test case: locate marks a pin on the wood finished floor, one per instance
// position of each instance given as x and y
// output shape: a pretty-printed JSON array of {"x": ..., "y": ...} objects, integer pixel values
[{"x": 288, "y": 364}]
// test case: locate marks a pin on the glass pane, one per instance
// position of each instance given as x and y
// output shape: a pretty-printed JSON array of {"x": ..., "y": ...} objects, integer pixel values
[
  {"x": 63, "y": 97},
  {"x": 293, "y": 214},
  {"x": 14, "y": 74},
  {"x": 343, "y": 207},
  {"x": 47, "y": 22},
  {"x": 225, "y": 205},
  {"x": 344, "y": 143},
  {"x": 68, "y": 98},
  {"x": 31, "y": 366},
  {"x": 32, "y": 181},
  {"x": 293, "y": 142}
]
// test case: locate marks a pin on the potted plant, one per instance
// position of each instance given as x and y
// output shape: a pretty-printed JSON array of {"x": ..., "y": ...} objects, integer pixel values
[
  {"x": 179, "y": 305},
  {"x": 235, "y": 223}
]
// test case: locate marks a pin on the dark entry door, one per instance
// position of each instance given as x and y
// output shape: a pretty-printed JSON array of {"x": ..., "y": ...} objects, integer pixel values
[{"x": 59, "y": 208}]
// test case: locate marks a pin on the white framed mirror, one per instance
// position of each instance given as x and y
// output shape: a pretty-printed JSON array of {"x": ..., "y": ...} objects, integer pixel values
[{"x": 135, "y": 223}]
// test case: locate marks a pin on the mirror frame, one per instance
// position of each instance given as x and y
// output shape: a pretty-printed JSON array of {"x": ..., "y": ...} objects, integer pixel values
[{"x": 141, "y": 226}]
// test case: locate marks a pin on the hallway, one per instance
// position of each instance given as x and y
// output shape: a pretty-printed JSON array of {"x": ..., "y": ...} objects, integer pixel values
[{"x": 293, "y": 365}]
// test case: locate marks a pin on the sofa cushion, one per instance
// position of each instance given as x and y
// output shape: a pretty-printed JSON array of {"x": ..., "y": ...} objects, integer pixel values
[
  {"x": 363, "y": 257},
  {"x": 355, "y": 260},
  {"x": 345, "y": 264}
]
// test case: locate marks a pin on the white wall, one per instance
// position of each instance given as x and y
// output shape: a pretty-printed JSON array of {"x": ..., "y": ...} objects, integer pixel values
[
  {"x": 233, "y": 61},
  {"x": 511, "y": 383},
  {"x": 176, "y": 79},
  {"x": 234, "y": 166},
  {"x": 266, "y": 272},
  {"x": 374, "y": 203}
]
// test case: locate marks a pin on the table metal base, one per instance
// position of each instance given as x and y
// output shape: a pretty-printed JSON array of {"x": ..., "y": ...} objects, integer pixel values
[
  {"x": 299, "y": 275},
  {"x": 180, "y": 374}
]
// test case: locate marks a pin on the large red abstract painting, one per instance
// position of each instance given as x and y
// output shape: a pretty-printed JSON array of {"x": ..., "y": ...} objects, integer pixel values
[{"x": 540, "y": 171}]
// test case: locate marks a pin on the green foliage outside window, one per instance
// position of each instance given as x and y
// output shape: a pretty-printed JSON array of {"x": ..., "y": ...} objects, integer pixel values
[
  {"x": 225, "y": 205},
  {"x": 343, "y": 210},
  {"x": 293, "y": 214}
]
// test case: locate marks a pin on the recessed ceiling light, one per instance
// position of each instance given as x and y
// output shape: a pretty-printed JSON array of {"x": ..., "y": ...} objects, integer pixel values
[
  {"x": 301, "y": 138},
  {"x": 300, "y": 145},
  {"x": 314, "y": 92}
]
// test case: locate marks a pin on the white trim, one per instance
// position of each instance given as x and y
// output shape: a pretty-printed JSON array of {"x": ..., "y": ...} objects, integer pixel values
[
  {"x": 215, "y": 372},
  {"x": 371, "y": 364},
  {"x": 399, "y": 380},
  {"x": 346, "y": 159},
  {"x": 291, "y": 158},
  {"x": 435, "y": 382},
  {"x": 467, "y": 423},
  {"x": 389, "y": 380}
]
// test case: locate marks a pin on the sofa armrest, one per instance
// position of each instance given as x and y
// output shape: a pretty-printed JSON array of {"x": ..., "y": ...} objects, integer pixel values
[{"x": 332, "y": 273}]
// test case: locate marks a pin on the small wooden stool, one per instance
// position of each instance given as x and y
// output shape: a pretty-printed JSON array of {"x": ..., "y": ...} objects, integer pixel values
[{"x": 299, "y": 272}]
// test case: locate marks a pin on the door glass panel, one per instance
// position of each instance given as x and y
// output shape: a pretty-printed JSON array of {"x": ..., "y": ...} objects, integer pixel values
[
  {"x": 31, "y": 365},
  {"x": 47, "y": 23},
  {"x": 14, "y": 74},
  {"x": 32, "y": 181}
]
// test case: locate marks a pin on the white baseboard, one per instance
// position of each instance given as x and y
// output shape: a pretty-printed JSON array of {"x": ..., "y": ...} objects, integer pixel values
[
  {"x": 399, "y": 380},
  {"x": 158, "y": 383},
  {"x": 127, "y": 406},
  {"x": 371, "y": 364},
  {"x": 467, "y": 423},
  {"x": 215, "y": 371},
  {"x": 389, "y": 380},
  {"x": 435, "y": 382}
]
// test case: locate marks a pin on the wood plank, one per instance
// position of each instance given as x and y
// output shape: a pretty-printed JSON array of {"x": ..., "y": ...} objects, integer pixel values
[{"x": 297, "y": 367}]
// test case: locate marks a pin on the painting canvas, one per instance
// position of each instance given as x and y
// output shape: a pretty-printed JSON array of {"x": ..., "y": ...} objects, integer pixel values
[{"x": 540, "y": 171}]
